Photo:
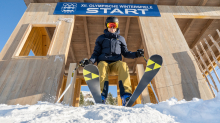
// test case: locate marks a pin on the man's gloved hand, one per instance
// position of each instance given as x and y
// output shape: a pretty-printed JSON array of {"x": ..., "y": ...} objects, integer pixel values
[
  {"x": 140, "y": 52},
  {"x": 85, "y": 62}
]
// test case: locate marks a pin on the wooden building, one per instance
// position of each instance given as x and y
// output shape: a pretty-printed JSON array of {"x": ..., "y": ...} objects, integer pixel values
[{"x": 59, "y": 42}]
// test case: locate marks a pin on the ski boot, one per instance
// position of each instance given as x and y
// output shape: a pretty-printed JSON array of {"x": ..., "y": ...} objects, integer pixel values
[
  {"x": 103, "y": 99},
  {"x": 125, "y": 98}
]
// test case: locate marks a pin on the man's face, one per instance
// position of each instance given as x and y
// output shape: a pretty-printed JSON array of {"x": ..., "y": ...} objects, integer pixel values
[{"x": 112, "y": 30}]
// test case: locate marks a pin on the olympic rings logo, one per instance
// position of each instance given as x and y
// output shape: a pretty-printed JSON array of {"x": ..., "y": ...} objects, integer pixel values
[{"x": 69, "y": 7}]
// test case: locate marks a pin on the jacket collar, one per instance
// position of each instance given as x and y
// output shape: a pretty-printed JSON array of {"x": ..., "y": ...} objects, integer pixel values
[{"x": 112, "y": 35}]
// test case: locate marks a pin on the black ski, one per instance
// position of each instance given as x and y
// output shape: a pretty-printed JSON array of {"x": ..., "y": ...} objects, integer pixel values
[
  {"x": 153, "y": 66},
  {"x": 91, "y": 76}
]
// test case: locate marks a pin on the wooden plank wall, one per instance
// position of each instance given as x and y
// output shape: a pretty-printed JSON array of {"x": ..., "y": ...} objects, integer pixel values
[
  {"x": 28, "y": 80},
  {"x": 179, "y": 76}
]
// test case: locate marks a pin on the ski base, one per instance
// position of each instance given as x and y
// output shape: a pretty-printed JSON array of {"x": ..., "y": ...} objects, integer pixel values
[
  {"x": 91, "y": 76},
  {"x": 153, "y": 66}
]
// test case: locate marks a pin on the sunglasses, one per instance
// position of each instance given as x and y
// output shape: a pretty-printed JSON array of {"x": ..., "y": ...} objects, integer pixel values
[{"x": 114, "y": 25}]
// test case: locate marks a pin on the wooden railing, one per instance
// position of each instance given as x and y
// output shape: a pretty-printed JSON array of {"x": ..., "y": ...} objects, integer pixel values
[{"x": 211, "y": 64}]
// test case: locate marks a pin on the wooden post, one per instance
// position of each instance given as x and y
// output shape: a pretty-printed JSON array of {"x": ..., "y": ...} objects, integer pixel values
[
  {"x": 118, "y": 95},
  {"x": 210, "y": 61},
  {"x": 133, "y": 88},
  {"x": 145, "y": 94},
  {"x": 200, "y": 67},
  {"x": 76, "y": 94},
  {"x": 197, "y": 50},
  {"x": 212, "y": 53},
  {"x": 62, "y": 87},
  {"x": 138, "y": 101},
  {"x": 69, "y": 94}
]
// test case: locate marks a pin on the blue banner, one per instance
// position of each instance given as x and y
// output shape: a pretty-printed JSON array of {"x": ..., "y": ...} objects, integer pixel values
[{"x": 72, "y": 8}]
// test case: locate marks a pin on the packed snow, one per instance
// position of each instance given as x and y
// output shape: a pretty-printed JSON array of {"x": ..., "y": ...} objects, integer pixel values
[
  {"x": 170, "y": 111},
  {"x": 86, "y": 97}
]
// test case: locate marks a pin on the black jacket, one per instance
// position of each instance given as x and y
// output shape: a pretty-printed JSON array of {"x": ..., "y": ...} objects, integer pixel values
[{"x": 109, "y": 47}]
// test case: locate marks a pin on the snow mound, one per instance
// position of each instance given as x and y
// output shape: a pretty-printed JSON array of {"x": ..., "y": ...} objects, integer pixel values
[
  {"x": 170, "y": 111},
  {"x": 99, "y": 113}
]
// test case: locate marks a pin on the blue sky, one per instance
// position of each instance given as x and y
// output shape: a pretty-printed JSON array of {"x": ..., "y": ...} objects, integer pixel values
[{"x": 12, "y": 10}]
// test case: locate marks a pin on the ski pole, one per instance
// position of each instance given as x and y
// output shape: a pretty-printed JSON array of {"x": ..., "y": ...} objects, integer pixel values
[
  {"x": 69, "y": 84},
  {"x": 144, "y": 57},
  {"x": 154, "y": 93}
]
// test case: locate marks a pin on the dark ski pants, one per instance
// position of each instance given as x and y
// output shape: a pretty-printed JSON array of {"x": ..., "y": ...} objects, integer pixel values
[{"x": 116, "y": 68}]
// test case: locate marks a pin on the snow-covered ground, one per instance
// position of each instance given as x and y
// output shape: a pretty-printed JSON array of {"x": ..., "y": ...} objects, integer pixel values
[
  {"x": 170, "y": 111},
  {"x": 85, "y": 94}
]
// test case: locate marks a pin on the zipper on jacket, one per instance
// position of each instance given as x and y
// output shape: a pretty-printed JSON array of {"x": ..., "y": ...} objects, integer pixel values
[
  {"x": 115, "y": 46},
  {"x": 110, "y": 46}
]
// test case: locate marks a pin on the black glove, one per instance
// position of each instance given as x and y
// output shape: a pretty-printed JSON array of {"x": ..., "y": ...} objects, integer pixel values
[
  {"x": 140, "y": 52},
  {"x": 85, "y": 62}
]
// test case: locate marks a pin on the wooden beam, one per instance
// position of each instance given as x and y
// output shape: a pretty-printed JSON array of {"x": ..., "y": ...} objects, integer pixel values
[
  {"x": 118, "y": 95},
  {"x": 126, "y": 31},
  {"x": 127, "y": 25},
  {"x": 131, "y": 1},
  {"x": 76, "y": 94},
  {"x": 33, "y": 1},
  {"x": 132, "y": 76},
  {"x": 156, "y": 1},
  {"x": 57, "y": 1},
  {"x": 133, "y": 88},
  {"x": 86, "y": 33},
  {"x": 72, "y": 55},
  {"x": 178, "y": 2},
  {"x": 208, "y": 24},
  {"x": 188, "y": 26},
  {"x": 112, "y": 82},
  {"x": 127, "y": 28},
  {"x": 104, "y": 22},
  {"x": 202, "y": 2},
  {"x": 87, "y": 36},
  {"x": 191, "y": 22},
  {"x": 105, "y": 1},
  {"x": 68, "y": 97}
]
